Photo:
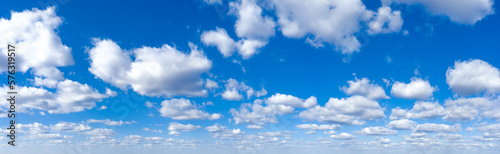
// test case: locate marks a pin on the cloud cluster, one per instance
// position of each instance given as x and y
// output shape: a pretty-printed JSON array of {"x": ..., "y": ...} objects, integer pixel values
[
  {"x": 183, "y": 109},
  {"x": 33, "y": 32},
  {"x": 69, "y": 96},
  {"x": 353, "y": 110},
  {"x": 161, "y": 72}
]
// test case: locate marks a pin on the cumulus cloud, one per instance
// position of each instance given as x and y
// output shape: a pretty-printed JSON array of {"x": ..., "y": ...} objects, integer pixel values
[
  {"x": 257, "y": 114},
  {"x": 439, "y": 128},
  {"x": 162, "y": 71},
  {"x": 461, "y": 11},
  {"x": 402, "y": 124},
  {"x": 334, "y": 22},
  {"x": 316, "y": 127},
  {"x": 421, "y": 110},
  {"x": 175, "y": 127},
  {"x": 233, "y": 89},
  {"x": 363, "y": 87},
  {"x": 417, "y": 89},
  {"x": 343, "y": 136},
  {"x": 253, "y": 29},
  {"x": 377, "y": 131},
  {"x": 222, "y": 132},
  {"x": 69, "y": 96},
  {"x": 110, "y": 122},
  {"x": 289, "y": 100},
  {"x": 473, "y": 77},
  {"x": 385, "y": 21},
  {"x": 466, "y": 109},
  {"x": 350, "y": 111},
  {"x": 183, "y": 109},
  {"x": 70, "y": 127},
  {"x": 33, "y": 32},
  {"x": 219, "y": 38}
]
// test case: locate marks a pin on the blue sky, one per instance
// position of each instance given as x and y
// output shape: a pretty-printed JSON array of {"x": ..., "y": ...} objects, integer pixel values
[{"x": 254, "y": 76}]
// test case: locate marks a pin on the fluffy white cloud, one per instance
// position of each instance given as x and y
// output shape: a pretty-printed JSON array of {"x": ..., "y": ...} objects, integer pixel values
[
  {"x": 289, "y": 100},
  {"x": 183, "y": 109},
  {"x": 257, "y": 114},
  {"x": 473, "y": 77},
  {"x": 385, "y": 21},
  {"x": 209, "y": 84},
  {"x": 69, "y": 96},
  {"x": 343, "y": 136},
  {"x": 460, "y": 11},
  {"x": 223, "y": 132},
  {"x": 163, "y": 71},
  {"x": 110, "y": 122},
  {"x": 351, "y": 111},
  {"x": 233, "y": 89},
  {"x": 421, "y": 110},
  {"x": 417, "y": 89},
  {"x": 250, "y": 23},
  {"x": 255, "y": 127},
  {"x": 175, "y": 127},
  {"x": 377, "y": 131},
  {"x": 219, "y": 38},
  {"x": 253, "y": 29},
  {"x": 70, "y": 127},
  {"x": 440, "y": 128},
  {"x": 33, "y": 32},
  {"x": 316, "y": 127},
  {"x": 402, "y": 124},
  {"x": 334, "y": 22},
  {"x": 363, "y": 87}
]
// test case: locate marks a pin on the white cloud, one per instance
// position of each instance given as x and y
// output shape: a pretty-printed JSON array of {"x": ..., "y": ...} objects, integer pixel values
[
  {"x": 149, "y": 104},
  {"x": 250, "y": 23},
  {"x": 163, "y": 71},
  {"x": 417, "y": 89},
  {"x": 460, "y": 11},
  {"x": 101, "y": 108},
  {"x": 289, "y": 100},
  {"x": 334, "y": 22},
  {"x": 363, "y": 87},
  {"x": 69, "y": 96},
  {"x": 253, "y": 29},
  {"x": 223, "y": 132},
  {"x": 257, "y": 114},
  {"x": 233, "y": 89},
  {"x": 402, "y": 124},
  {"x": 183, "y": 109},
  {"x": 421, "y": 110},
  {"x": 439, "y": 128},
  {"x": 315, "y": 127},
  {"x": 473, "y": 77},
  {"x": 213, "y": 1},
  {"x": 175, "y": 127},
  {"x": 209, "y": 84},
  {"x": 385, "y": 21},
  {"x": 255, "y": 127},
  {"x": 152, "y": 130},
  {"x": 377, "y": 131},
  {"x": 99, "y": 132},
  {"x": 70, "y": 127},
  {"x": 33, "y": 32},
  {"x": 343, "y": 136},
  {"x": 351, "y": 111},
  {"x": 219, "y": 38},
  {"x": 110, "y": 122}
]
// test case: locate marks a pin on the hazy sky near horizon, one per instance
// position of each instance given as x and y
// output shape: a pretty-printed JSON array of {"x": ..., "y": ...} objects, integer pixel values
[{"x": 253, "y": 76}]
